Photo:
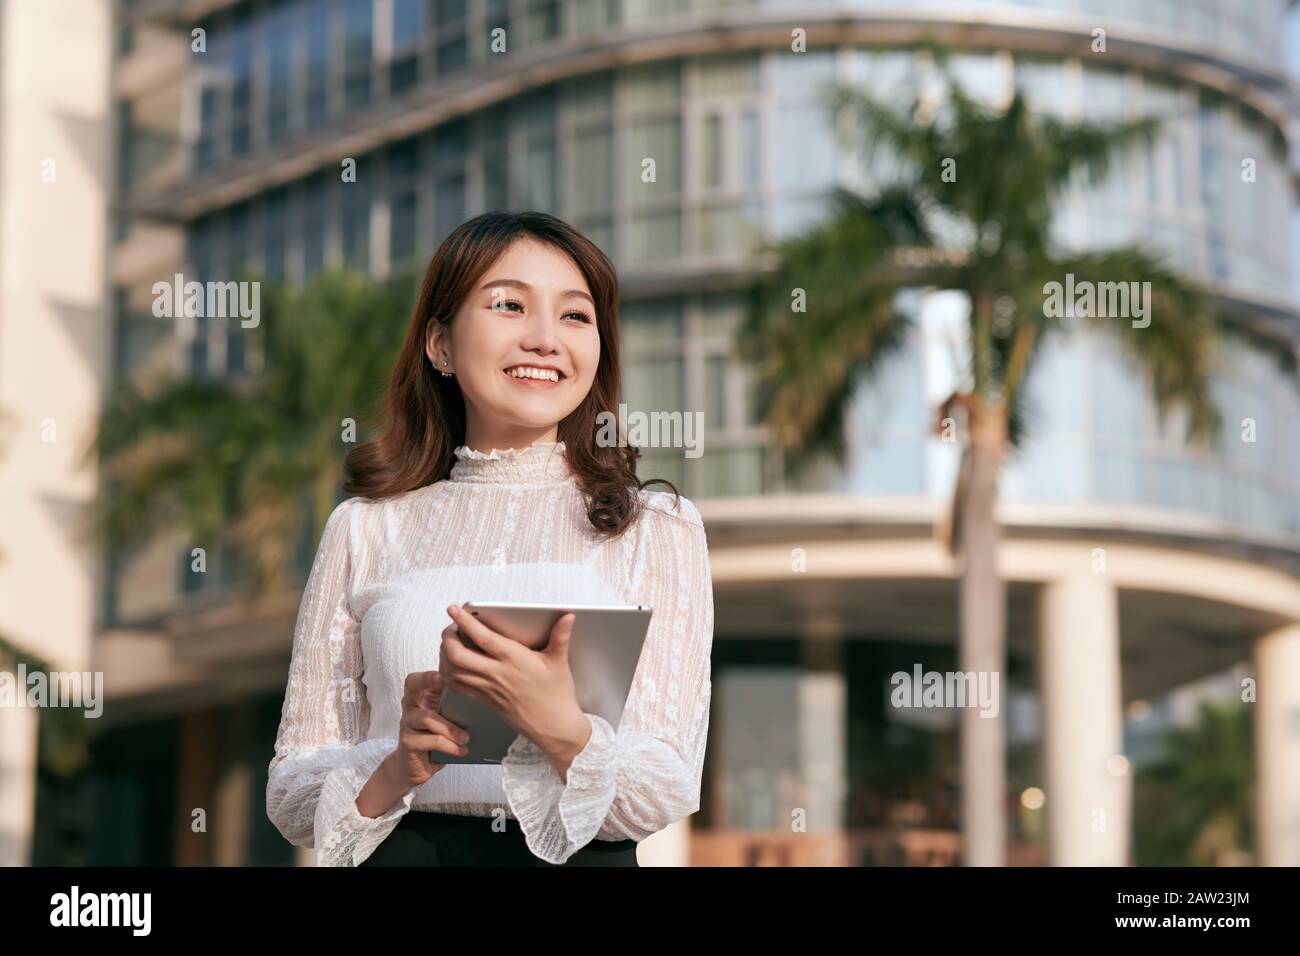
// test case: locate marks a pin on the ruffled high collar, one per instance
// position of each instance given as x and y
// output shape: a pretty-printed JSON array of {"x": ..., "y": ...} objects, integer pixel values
[{"x": 542, "y": 462}]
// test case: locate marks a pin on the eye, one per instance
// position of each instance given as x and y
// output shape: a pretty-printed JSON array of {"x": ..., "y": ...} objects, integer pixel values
[{"x": 579, "y": 315}]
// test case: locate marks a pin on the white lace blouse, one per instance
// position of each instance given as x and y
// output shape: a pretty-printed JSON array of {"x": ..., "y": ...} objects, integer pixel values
[{"x": 509, "y": 525}]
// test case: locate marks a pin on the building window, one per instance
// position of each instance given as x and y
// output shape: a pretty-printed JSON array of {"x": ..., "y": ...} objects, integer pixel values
[
  {"x": 318, "y": 58},
  {"x": 356, "y": 219},
  {"x": 358, "y": 52},
  {"x": 408, "y": 27},
  {"x": 279, "y": 62},
  {"x": 313, "y": 199}
]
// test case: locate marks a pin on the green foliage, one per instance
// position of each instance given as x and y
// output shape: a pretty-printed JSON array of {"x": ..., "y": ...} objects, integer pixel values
[
  {"x": 1194, "y": 805},
  {"x": 63, "y": 733},
  {"x": 253, "y": 461}
]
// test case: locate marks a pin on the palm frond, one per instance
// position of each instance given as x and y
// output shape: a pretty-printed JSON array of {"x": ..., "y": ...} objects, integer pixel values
[
  {"x": 240, "y": 461},
  {"x": 806, "y": 364},
  {"x": 1176, "y": 343},
  {"x": 1092, "y": 147},
  {"x": 165, "y": 450}
]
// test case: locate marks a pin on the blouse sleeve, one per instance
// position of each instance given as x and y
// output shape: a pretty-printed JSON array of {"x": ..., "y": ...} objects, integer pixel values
[
  {"x": 633, "y": 782},
  {"x": 322, "y": 759}
]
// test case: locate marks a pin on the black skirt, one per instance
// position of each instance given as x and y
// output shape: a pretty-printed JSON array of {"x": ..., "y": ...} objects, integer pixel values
[{"x": 422, "y": 838}]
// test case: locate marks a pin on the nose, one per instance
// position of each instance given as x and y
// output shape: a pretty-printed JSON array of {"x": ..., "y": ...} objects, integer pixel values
[{"x": 541, "y": 333}]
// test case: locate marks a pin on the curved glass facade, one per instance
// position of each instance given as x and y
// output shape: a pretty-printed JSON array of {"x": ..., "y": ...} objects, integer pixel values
[
  {"x": 740, "y": 145},
  {"x": 1245, "y": 28},
  {"x": 741, "y": 148},
  {"x": 284, "y": 67}
]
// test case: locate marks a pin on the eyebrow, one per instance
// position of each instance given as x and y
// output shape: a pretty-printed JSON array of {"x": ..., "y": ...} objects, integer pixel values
[{"x": 520, "y": 284}]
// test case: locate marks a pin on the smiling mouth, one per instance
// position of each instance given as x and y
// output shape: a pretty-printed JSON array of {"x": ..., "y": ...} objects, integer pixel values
[{"x": 534, "y": 375}]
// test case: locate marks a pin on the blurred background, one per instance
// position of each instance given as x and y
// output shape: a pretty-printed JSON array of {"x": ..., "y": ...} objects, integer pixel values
[{"x": 1150, "y": 698}]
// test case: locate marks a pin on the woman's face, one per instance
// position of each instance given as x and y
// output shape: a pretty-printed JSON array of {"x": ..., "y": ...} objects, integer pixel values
[{"x": 531, "y": 311}]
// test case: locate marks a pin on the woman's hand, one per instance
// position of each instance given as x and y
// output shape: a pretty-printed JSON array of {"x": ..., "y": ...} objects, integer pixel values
[
  {"x": 422, "y": 729},
  {"x": 531, "y": 690}
]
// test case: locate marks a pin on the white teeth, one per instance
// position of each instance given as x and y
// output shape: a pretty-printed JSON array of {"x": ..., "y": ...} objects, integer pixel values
[{"x": 548, "y": 375}]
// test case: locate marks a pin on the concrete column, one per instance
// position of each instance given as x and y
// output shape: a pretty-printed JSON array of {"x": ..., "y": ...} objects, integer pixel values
[
  {"x": 1277, "y": 747},
  {"x": 232, "y": 815},
  {"x": 1087, "y": 779},
  {"x": 823, "y": 726}
]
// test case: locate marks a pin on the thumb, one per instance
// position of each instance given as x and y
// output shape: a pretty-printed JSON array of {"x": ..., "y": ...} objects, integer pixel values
[
  {"x": 558, "y": 645},
  {"x": 431, "y": 691}
]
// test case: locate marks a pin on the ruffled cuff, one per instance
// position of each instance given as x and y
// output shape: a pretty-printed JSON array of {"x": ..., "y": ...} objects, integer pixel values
[
  {"x": 343, "y": 836},
  {"x": 559, "y": 818}
]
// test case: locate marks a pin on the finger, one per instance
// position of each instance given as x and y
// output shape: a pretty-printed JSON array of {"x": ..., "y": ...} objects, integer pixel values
[
  {"x": 433, "y": 688},
  {"x": 410, "y": 687},
  {"x": 462, "y": 660},
  {"x": 473, "y": 685},
  {"x": 442, "y": 652},
  {"x": 489, "y": 642},
  {"x": 417, "y": 681},
  {"x": 419, "y": 687},
  {"x": 430, "y": 723},
  {"x": 438, "y": 742},
  {"x": 436, "y": 723}
]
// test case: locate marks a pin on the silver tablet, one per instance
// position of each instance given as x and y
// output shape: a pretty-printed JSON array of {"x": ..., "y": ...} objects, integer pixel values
[{"x": 603, "y": 655}]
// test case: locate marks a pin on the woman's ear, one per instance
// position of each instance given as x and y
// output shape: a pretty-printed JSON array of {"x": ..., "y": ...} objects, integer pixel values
[{"x": 432, "y": 343}]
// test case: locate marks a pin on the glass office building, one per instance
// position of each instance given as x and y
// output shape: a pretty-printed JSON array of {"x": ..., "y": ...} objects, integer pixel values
[{"x": 230, "y": 155}]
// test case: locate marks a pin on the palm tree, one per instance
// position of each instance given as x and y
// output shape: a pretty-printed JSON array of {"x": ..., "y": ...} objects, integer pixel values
[
  {"x": 252, "y": 461},
  {"x": 970, "y": 210}
]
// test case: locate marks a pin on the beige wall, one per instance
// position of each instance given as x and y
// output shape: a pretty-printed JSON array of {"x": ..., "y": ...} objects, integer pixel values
[{"x": 54, "y": 344}]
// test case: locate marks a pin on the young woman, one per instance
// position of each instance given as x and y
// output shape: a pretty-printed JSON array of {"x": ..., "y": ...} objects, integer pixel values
[{"x": 491, "y": 481}]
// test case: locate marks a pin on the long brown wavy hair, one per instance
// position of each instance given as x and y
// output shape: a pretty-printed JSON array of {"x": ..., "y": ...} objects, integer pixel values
[{"x": 424, "y": 413}]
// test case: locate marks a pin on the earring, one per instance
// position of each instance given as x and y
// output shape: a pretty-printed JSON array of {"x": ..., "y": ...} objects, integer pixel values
[{"x": 446, "y": 374}]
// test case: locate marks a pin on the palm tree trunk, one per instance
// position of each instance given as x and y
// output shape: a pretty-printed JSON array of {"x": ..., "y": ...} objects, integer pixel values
[{"x": 983, "y": 642}]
